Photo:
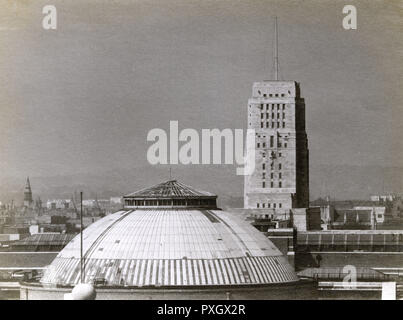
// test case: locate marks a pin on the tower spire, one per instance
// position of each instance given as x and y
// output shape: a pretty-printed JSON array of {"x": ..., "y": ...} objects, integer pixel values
[{"x": 275, "y": 49}]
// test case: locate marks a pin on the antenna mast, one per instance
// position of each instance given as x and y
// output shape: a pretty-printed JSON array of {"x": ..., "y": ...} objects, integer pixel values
[{"x": 275, "y": 49}]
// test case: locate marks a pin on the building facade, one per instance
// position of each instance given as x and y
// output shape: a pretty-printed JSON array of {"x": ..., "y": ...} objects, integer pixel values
[{"x": 276, "y": 111}]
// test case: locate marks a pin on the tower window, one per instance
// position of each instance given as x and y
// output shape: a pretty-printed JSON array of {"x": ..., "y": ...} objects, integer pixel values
[
  {"x": 267, "y": 124},
  {"x": 261, "y": 124},
  {"x": 279, "y": 205},
  {"x": 283, "y": 106},
  {"x": 264, "y": 144},
  {"x": 268, "y": 205},
  {"x": 280, "y": 184},
  {"x": 274, "y": 205},
  {"x": 263, "y": 185},
  {"x": 279, "y": 175},
  {"x": 258, "y": 145},
  {"x": 271, "y": 141},
  {"x": 263, "y": 205},
  {"x": 272, "y": 115},
  {"x": 263, "y": 166},
  {"x": 261, "y": 116},
  {"x": 279, "y": 166},
  {"x": 283, "y": 124},
  {"x": 265, "y": 95},
  {"x": 261, "y": 106},
  {"x": 272, "y": 175},
  {"x": 272, "y": 184},
  {"x": 257, "y": 205}
]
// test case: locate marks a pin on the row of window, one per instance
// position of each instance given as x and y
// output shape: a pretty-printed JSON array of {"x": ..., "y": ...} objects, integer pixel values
[
  {"x": 269, "y": 205},
  {"x": 273, "y": 125},
  {"x": 279, "y": 145},
  {"x": 272, "y": 106},
  {"x": 272, "y": 166},
  {"x": 273, "y": 115},
  {"x": 280, "y": 184},
  {"x": 170, "y": 202},
  {"x": 271, "y": 94}
]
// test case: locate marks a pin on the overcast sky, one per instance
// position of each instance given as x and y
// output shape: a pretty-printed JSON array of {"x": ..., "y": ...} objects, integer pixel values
[{"x": 82, "y": 98}]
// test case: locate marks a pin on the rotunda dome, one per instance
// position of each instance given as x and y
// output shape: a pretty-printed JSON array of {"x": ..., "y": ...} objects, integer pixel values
[{"x": 171, "y": 235}]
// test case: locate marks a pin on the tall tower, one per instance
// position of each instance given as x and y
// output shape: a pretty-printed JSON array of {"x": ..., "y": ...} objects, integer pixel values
[
  {"x": 28, "y": 194},
  {"x": 276, "y": 111}
]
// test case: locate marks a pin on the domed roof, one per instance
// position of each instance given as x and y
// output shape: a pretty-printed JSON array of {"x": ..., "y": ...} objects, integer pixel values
[
  {"x": 169, "y": 189},
  {"x": 171, "y": 247}
]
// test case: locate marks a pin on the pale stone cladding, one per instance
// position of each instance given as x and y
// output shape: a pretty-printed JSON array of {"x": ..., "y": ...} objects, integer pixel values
[{"x": 276, "y": 111}]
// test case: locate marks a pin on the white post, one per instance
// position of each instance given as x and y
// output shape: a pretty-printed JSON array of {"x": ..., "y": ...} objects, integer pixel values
[{"x": 388, "y": 290}]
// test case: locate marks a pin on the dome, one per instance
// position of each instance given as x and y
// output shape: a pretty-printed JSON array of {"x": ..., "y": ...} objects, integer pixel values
[{"x": 171, "y": 235}]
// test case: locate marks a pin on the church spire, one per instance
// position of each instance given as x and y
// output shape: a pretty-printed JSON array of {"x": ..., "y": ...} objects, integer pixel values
[{"x": 28, "y": 194}]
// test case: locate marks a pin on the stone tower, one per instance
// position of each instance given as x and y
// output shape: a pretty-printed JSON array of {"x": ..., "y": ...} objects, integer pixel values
[
  {"x": 280, "y": 180},
  {"x": 28, "y": 202}
]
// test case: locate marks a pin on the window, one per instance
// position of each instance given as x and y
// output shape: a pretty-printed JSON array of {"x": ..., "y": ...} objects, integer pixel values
[
  {"x": 283, "y": 95},
  {"x": 265, "y": 95},
  {"x": 279, "y": 205},
  {"x": 267, "y": 115},
  {"x": 268, "y": 205},
  {"x": 274, "y": 205},
  {"x": 261, "y": 124},
  {"x": 264, "y": 144},
  {"x": 283, "y": 114},
  {"x": 280, "y": 184},
  {"x": 283, "y": 106},
  {"x": 261, "y": 106},
  {"x": 263, "y": 185},
  {"x": 283, "y": 124},
  {"x": 270, "y": 95},
  {"x": 279, "y": 175},
  {"x": 263, "y": 166},
  {"x": 271, "y": 141},
  {"x": 258, "y": 145},
  {"x": 261, "y": 116},
  {"x": 285, "y": 145},
  {"x": 267, "y": 106},
  {"x": 257, "y": 205},
  {"x": 272, "y": 175},
  {"x": 272, "y": 115},
  {"x": 272, "y": 184},
  {"x": 279, "y": 154},
  {"x": 278, "y": 124},
  {"x": 267, "y": 124},
  {"x": 263, "y": 205},
  {"x": 263, "y": 175}
]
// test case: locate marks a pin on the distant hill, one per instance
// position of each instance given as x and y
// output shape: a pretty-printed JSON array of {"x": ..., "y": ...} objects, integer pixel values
[{"x": 338, "y": 181}]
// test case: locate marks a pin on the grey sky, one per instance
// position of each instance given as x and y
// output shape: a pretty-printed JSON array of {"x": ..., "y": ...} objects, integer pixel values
[{"x": 82, "y": 98}]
